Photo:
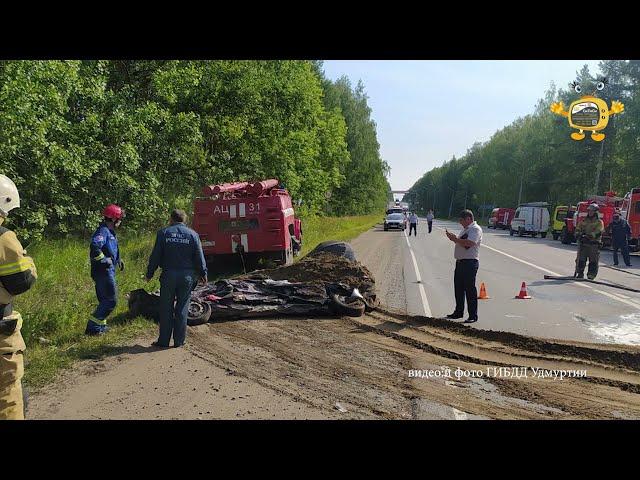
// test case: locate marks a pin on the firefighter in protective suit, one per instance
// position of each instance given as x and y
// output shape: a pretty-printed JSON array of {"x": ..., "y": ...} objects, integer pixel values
[
  {"x": 17, "y": 275},
  {"x": 589, "y": 235}
]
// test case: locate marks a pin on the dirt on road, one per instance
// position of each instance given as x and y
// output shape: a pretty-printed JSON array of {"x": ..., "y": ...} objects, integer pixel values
[{"x": 383, "y": 365}]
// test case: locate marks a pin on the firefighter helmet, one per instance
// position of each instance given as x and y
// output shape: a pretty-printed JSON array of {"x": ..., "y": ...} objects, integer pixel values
[
  {"x": 594, "y": 206},
  {"x": 113, "y": 211},
  {"x": 9, "y": 196}
]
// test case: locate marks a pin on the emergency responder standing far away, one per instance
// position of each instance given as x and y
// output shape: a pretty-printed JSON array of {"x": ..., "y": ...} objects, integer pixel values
[
  {"x": 589, "y": 235},
  {"x": 430, "y": 220},
  {"x": 178, "y": 252},
  {"x": 620, "y": 234},
  {"x": 466, "y": 253},
  {"x": 413, "y": 223},
  {"x": 105, "y": 257},
  {"x": 17, "y": 275}
]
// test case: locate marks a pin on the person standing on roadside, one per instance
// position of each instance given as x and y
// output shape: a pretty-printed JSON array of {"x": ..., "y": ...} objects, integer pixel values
[
  {"x": 466, "y": 253},
  {"x": 105, "y": 257},
  {"x": 413, "y": 223},
  {"x": 620, "y": 235},
  {"x": 430, "y": 219},
  {"x": 589, "y": 235},
  {"x": 17, "y": 275},
  {"x": 178, "y": 252}
]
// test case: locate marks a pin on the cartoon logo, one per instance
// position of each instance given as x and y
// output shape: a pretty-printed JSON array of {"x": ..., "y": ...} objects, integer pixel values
[{"x": 588, "y": 112}]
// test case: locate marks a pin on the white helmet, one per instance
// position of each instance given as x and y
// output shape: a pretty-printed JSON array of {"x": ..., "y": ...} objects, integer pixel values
[
  {"x": 594, "y": 206},
  {"x": 9, "y": 196}
]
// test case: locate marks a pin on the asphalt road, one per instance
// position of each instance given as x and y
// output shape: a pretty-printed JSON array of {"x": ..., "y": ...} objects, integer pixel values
[{"x": 415, "y": 274}]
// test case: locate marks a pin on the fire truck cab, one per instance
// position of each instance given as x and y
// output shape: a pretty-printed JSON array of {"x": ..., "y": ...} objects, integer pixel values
[
  {"x": 630, "y": 211},
  {"x": 255, "y": 220}
]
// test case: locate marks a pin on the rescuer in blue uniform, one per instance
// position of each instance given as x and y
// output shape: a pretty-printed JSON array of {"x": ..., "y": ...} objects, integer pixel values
[
  {"x": 178, "y": 252},
  {"x": 105, "y": 256}
]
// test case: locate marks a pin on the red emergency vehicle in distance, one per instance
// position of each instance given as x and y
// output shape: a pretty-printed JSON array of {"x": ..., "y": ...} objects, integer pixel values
[
  {"x": 501, "y": 218},
  {"x": 255, "y": 219},
  {"x": 567, "y": 234},
  {"x": 630, "y": 211}
]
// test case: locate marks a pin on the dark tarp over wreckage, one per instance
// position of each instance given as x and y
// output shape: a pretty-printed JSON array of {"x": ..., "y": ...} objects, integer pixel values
[{"x": 329, "y": 281}]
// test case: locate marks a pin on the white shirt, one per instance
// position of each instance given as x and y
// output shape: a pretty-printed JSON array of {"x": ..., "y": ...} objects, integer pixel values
[
  {"x": 413, "y": 218},
  {"x": 429, "y": 217},
  {"x": 474, "y": 233}
]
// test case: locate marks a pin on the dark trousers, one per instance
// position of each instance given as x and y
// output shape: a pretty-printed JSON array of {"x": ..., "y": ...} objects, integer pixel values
[
  {"x": 624, "y": 248},
  {"x": 586, "y": 251},
  {"x": 464, "y": 281},
  {"x": 430, "y": 225},
  {"x": 107, "y": 293},
  {"x": 413, "y": 226},
  {"x": 175, "y": 286}
]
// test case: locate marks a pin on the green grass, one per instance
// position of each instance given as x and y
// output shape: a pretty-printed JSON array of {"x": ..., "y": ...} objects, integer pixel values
[
  {"x": 56, "y": 310},
  {"x": 316, "y": 230}
]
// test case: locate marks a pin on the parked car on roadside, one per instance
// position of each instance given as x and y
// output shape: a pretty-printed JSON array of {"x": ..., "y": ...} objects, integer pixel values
[{"x": 394, "y": 220}]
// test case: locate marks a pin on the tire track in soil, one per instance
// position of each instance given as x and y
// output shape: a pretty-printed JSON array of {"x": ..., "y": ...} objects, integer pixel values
[
  {"x": 318, "y": 362},
  {"x": 589, "y": 397}
]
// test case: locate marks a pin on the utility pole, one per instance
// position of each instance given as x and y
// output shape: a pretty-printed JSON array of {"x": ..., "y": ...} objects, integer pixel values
[
  {"x": 451, "y": 203},
  {"x": 435, "y": 190},
  {"x": 521, "y": 180},
  {"x": 599, "y": 168}
]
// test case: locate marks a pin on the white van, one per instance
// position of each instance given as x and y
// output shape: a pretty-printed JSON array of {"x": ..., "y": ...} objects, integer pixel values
[{"x": 531, "y": 219}]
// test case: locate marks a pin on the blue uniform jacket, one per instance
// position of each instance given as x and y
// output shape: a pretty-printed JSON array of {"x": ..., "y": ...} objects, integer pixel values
[
  {"x": 177, "y": 247},
  {"x": 620, "y": 232},
  {"x": 103, "y": 251}
]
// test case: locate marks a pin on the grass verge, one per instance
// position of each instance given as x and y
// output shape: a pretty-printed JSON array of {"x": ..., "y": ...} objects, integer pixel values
[{"x": 56, "y": 310}]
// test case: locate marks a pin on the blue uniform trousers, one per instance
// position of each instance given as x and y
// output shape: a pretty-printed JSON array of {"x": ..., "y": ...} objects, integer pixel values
[
  {"x": 107, "y": 292},
  {"x": 175, "y": 286},
  {"x": 624, "y": 248}
]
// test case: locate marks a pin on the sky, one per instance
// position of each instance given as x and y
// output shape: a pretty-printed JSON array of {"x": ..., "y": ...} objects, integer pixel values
[{"x": 427, "y": 111}]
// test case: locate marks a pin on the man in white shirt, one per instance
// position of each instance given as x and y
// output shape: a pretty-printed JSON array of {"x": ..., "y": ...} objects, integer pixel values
[
  {"x": 466, "y": 253},
  {"x": 430, "y": 219},
  {"x": 413, "y": 223}
]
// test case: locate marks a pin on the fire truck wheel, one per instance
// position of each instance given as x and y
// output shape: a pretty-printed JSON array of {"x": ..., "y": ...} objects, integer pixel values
[
  {"x": 199, "y": 313},
  {"x": 520, "y": 232},
  {"x": 556, "y": 236},
  {"x": 544, "y": 235},
  {"x": 355, "y": 309},
  {"x": 511, "y": 232}
]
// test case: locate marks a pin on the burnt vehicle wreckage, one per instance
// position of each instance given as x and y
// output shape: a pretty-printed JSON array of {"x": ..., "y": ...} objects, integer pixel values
[{"x": 329, "y": 281}]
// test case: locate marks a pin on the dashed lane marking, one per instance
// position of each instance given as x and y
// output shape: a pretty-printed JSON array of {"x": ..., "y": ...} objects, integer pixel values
[{"x": 423, "y": 294}]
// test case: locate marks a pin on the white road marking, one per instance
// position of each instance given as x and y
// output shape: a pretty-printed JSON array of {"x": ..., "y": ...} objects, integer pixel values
[
  {"x": 550, "y": 272},
  {"x": 423, "y": 294}
]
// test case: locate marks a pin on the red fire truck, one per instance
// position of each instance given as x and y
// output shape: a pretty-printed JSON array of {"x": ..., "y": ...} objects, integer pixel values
[
  {"x": 501, "y": 218},
  {"x": 630, "y": 211},
  {"x": 255, "y": 220},
  {"x": 608, "y": 203}
]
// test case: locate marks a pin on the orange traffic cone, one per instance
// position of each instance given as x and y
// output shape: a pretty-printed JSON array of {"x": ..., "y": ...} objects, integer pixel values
[
  {"x": 483, "y": 292},
  {"x": 523, "y": 292}
]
